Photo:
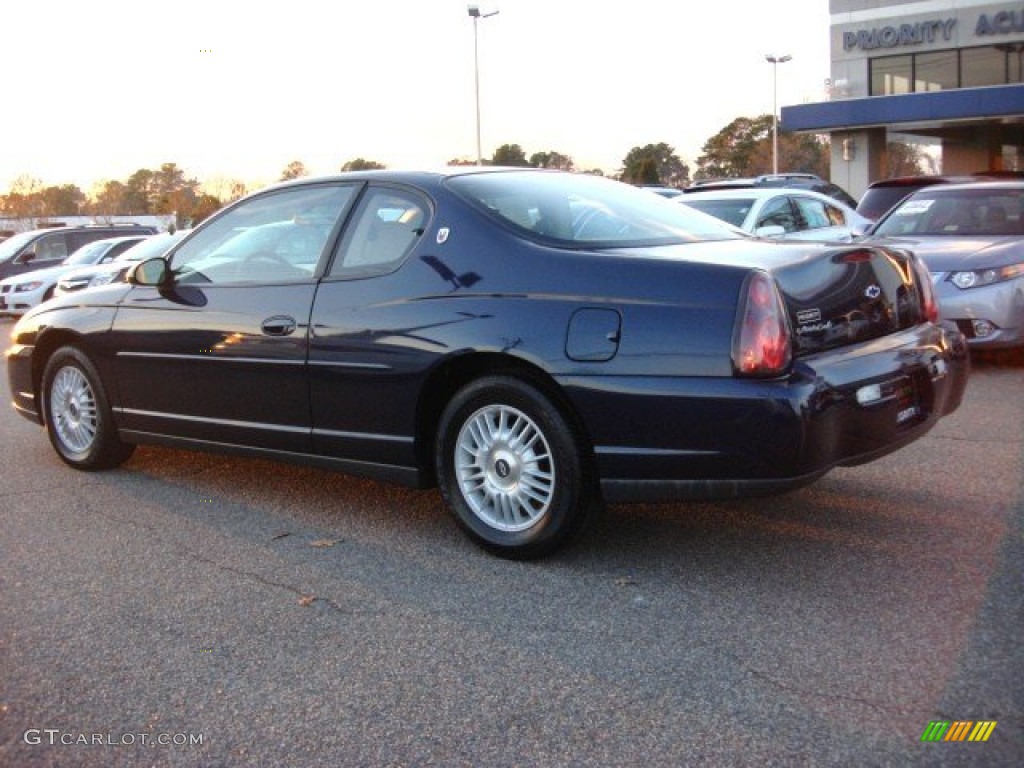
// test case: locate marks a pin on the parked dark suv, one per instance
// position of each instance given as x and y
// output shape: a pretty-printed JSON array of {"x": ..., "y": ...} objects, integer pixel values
[
  {"x": 882, "y": 195},
  {"x": 785, "y": 180},
  {"x": 41, "y": 248}
]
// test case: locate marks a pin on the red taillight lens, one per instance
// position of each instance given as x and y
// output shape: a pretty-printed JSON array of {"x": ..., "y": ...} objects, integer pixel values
[
  {"x": 929, "y": 304},
  {"x": 761, "y": 342}
]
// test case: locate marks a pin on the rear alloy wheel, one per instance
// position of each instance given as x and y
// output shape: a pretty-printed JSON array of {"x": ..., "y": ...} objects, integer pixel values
[
  {"x": 510, "y": 468},
  {"x": 78, "y": 418}
]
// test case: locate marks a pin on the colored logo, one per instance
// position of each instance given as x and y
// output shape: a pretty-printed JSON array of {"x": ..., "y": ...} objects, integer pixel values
[{"x": 958, "y": 730}]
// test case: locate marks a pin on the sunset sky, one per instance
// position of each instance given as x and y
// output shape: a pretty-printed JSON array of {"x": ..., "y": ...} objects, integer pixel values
[{"x": 94, "y": 91}]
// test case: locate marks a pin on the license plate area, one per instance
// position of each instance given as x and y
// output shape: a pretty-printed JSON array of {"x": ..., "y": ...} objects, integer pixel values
[{"x": 908, "y": 406}]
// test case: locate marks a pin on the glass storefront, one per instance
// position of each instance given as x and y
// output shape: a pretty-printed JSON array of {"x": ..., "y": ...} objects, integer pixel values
[{"x": 945, "y": 70}]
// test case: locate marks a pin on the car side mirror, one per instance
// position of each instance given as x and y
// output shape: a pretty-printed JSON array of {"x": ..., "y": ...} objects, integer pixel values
[
  {"x": 151, "y": 272},
  {"x": 27, "y": 257},
  {"x": 772, "y": 230}
]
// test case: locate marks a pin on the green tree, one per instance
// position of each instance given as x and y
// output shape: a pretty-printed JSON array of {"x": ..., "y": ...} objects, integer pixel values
[
  {"x": 65, "y": 200},
  {"x": 798, "y": 153},
  {"x": 294, "y": 170},
  {"x": 655, "y": 164},
  {"x": 359, "y": 164},
  {"x": 729, "y": 153},
  {"x": 510, "y": 155},
  {"x": 171, "y": 191},
  {"x": 135, "y": 200},
  {"x": 23, "y": 200},
  {"x": 551, "y": 160},
  {"x": 108, "y": 199},
  {"x": 205, "y": 205}
]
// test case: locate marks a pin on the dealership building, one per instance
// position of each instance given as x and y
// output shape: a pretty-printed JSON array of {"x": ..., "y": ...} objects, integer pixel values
[{"x": 943, "y": 75}]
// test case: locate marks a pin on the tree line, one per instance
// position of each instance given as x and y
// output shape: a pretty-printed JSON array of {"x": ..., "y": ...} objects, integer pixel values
[{"x": 741, "y": 148}]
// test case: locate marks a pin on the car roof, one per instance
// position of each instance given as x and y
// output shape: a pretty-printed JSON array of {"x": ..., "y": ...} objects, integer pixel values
[
  {"x": 122, "y": 238},
  {"x": 973, "y": 186},
  {"x": 756, "y": 193}
]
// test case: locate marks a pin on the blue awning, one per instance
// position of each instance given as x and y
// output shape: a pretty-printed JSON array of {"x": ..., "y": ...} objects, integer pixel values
[{"x": 934, "y": 106}]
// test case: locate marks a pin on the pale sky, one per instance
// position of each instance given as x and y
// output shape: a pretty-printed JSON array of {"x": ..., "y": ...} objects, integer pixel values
[{"x": 96, "y": 89}]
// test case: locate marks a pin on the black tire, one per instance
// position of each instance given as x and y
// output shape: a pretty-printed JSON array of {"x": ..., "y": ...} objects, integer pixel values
[
  {"x": 77, "y": 413},
  {"x": 525, "y": 487}
]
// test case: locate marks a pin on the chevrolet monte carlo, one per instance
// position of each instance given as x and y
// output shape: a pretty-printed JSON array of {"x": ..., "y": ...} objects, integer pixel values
[{"x": 531, "y": 342}]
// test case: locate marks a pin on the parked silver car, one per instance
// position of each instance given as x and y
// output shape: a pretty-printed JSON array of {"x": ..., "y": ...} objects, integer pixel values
[
  {"x": 101, "y": 274},
  {"x": 971, "y": 237},
  {"x": 20, "y": 293},
  {"x": 793, "y": 214}
]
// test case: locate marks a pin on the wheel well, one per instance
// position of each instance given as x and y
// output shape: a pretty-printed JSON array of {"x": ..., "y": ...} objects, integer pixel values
[
  {"x": 450, "y": 377},
  {"x": 44, "y": 349}
]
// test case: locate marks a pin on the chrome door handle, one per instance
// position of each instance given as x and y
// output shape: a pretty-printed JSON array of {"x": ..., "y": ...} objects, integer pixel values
[{"x": 279, "y": 325}]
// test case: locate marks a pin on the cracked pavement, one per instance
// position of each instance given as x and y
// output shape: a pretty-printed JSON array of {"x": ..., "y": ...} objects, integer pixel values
[{"x": 296, "y": 617}]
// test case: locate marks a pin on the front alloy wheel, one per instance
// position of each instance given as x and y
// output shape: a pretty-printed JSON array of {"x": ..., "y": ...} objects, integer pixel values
[
  {"x": 73, "y": 410},
  {"x": 78, "y": 417}
]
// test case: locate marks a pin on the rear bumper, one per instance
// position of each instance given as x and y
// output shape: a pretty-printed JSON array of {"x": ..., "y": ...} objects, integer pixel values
[{"x": 705, "y": 438}]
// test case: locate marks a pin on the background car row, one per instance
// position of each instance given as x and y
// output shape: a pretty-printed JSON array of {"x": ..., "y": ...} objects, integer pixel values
[
  {"x": 968, "y": 229},
  {"x": 96, "y": 263},
  {"x": 26, "y": 290}
]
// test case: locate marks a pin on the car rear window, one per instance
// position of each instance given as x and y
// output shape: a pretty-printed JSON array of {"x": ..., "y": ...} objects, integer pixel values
[
  {"x": 578, "y": 210},
  {"x": 734, "y": 210},
  {"x": 942, "y": 211}
]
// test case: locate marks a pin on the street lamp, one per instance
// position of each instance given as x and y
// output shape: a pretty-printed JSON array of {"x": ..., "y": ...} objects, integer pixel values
[
  {"x": 775, "y": 61},
  {"x": 474, "y": 12}
]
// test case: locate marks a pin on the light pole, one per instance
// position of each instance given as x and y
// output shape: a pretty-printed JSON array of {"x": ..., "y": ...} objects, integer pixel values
[
  {"x": 775, "y": 61},
  {"x": 474, "y": 12}
]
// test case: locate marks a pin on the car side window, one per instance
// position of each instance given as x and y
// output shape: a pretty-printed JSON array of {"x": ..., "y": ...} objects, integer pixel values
[
  {"x": 778, "y": 213},
  {"x": 277, "y": 237},
  {"x": 836, "y": 217},
  {"x": 50, "y": 248},
  {"x": 116, "y": 249},
  {"x": 386, "y": 226},
  {"x": 812, "y": 212}
]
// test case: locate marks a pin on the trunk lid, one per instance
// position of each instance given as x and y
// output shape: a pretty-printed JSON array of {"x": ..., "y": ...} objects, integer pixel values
[{"x": 849, "y": 295}]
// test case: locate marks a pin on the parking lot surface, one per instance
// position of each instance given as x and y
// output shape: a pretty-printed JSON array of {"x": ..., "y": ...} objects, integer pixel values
[{"x": 190, "y": 609}]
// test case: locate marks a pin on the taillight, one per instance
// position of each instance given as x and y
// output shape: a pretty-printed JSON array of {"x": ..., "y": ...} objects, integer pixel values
[
  {"x": 929, "y": 304},
  {"x": 761, "y": 344}
]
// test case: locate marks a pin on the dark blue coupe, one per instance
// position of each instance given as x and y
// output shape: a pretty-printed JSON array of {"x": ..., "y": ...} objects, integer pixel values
[{"x": 532, "y": 342}]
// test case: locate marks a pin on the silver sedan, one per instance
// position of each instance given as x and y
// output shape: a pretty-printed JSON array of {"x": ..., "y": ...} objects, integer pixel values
[
  {"x": 779, "y": 212},
  {"x": 971, "y": 237}
]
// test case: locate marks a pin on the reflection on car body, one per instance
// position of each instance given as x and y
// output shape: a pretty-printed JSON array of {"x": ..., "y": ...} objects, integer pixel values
[{"x": 529, "y": 341}]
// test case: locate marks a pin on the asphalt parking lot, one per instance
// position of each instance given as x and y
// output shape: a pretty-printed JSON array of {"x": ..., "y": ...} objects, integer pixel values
[{"x": 190, "y": 609}]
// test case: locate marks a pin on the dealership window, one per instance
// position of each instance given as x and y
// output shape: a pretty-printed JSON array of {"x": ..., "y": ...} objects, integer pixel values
[
  {"x": 944, "y": 70},
  {"x": 983, "y": 66},
  {"x": 935, "y": 71},
  {"x": 891, "y": 75}
]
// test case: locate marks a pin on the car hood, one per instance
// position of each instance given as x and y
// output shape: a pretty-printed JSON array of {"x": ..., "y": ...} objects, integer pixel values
[
  {"x": 947, "y": 253},
  {"x": 98, "y": 269},
  {"x": 46, "y": 273}
]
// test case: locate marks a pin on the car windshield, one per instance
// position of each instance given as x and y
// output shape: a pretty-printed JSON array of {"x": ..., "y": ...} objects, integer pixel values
[
  {"x": 87, "y": 254},
  {"x": 957, "y": 212},
  {"x": 13, "y": 244},
  {"x": 733, "y": 210},
  {"x": 579, "y": 210}
]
